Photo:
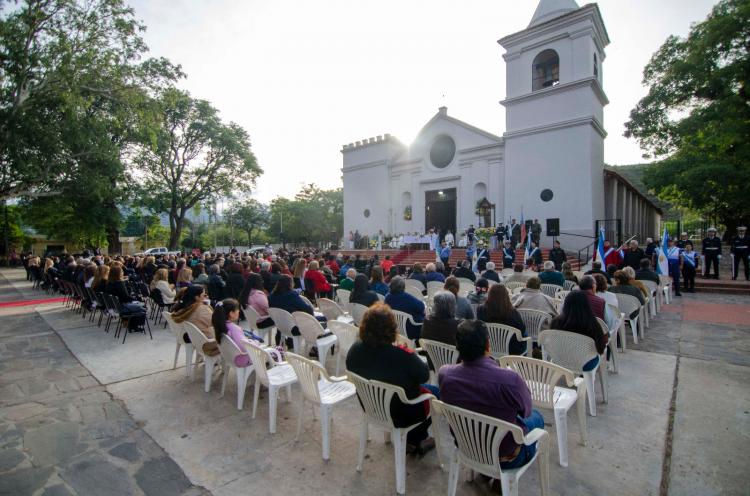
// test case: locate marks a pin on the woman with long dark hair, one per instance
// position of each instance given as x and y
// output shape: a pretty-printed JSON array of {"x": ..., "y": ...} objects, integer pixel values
[
  {"x": 254, "y": 296},
  {"x": 499, "y": 310},
  {"x": 192, "y": 308},
  {"x": 577, "y": 316},
  {"x": 361, "y": 293}
]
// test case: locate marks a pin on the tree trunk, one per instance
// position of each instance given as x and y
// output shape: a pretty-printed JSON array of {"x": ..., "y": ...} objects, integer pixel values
[
  {"x": 175, "y": 230},
  {"x": 113, "y": 240}
]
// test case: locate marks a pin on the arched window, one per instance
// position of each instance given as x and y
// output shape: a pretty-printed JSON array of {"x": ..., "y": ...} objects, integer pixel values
[{"x": 545, "y": 70}]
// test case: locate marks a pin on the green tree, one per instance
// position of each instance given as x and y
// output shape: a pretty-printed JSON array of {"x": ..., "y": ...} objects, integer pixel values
[
  {"x": 193, "y": 158},
  {"x": 249, "y": 216},
  {"x": 315, "y": 216},
  {"x": 72, "y": 91},
  {"x": 696, "y": 116}
]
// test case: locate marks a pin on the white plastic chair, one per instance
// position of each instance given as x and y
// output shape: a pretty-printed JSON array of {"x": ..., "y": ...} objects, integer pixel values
[
  {"x": 534, "y": 320},
  {"x": 330, "y": 309},
  {"x": 543, "y": 378},
  {"x": 570, "y": 285},
  {"x": 358, "y": 311},
  {"x": 573, "y": 351},
  {"x": 510, "y": 286},
  {"x": 627, "y": 305},
  {"x": 561, "y": 295},
  {"x": 611, "y": 345},
  {"x": 415, "y": 283},
  {"x": 550, "y": 289},
  {"x": 375, "y": 399},
  {"x": 198, "y": 339},
  {"x": 274, "y": 378},
  {"x": 310, "y": 329},
  {"x": 465, "y": 287},
  {"x": 433, "y": 287},
  {"x": 402, "y": 319},
  {"x": 318, "y": 388},
  {"x": 229, "y": 351},
  {"x": 478, "y": 439},
  {"x": 620, "y": 326},
  {"x": 178, "y": 332},
  {"x": 466, "y": 280},
  {"x": 440, "y": 354},
  {"x": 342, "y": 297},
  {"x": 653, "y": 290},
  {"x": 347, "y": 335},
  {"x": 307, "y": 300},
  {"x": 500, "y": 335},
  {"x": 284, "y": 322},
  {"x": 416, "y": 293},
  {"x": 381, "y": 298},
  {"x": 252, "y": 317},
  {"x": 666, "y": 287}
]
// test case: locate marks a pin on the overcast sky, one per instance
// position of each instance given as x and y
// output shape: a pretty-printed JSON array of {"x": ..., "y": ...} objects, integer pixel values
[{"x": 305, "y": 77}]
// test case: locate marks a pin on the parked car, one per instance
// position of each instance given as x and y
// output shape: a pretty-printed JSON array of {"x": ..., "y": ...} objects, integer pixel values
[{"x": 160, "y": 250}]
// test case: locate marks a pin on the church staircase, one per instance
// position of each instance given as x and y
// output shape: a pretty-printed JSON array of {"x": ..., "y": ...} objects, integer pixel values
[{"x": 410, "y": 257}]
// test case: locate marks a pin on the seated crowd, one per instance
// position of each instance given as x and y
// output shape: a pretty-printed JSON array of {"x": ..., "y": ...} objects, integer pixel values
[{"x": 212, "y": 291}]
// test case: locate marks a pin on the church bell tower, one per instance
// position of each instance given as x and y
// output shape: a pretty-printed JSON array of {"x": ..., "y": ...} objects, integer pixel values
[{"x": 554, "y": 139}]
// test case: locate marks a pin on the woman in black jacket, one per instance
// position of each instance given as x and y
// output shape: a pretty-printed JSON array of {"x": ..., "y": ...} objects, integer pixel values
[
  {"x": 361, "y": 293},
  {"x": 499, "y": 310}
]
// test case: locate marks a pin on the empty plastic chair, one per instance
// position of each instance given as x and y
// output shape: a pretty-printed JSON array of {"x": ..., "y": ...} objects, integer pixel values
[
  {"x": 330, "y": 309},
  {"x": 277, "y": 377},
  {"x": 543, "y": 378},
  {"x": 573, "y": 351},
  {"x": 358, "y": 311},
  {"x": 551, "y": 289},
  {"x": 628, "y": 305},
  {"x": 318, "y": 388}
]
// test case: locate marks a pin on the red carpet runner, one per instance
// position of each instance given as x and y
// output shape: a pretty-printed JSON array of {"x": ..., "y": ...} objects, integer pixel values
[{"x": 23, "y": 303}]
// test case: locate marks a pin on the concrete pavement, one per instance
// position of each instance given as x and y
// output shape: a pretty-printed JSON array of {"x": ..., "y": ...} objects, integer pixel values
[{"x": 228, "y": 452}]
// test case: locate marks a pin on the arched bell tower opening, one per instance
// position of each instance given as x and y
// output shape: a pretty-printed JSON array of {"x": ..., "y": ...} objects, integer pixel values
[{"x": 545, "y": 70}]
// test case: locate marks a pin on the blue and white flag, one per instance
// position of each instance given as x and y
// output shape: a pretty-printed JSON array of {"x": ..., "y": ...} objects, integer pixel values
[
  {"x": 662, "y": 265},
  {"x": 528, "y": 246},
  {"x": 600, "y": 247}
]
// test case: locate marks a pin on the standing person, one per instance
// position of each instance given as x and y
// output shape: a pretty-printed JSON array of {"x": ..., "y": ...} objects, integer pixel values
[
  {"x": 674, "y": 260},
  {"x": 633, "y": 256},
  {"x": 557, "y": 255},
  {"x": 445, "y": 254},
  {"x": 350, "y": 240},
  {"x": 470, "y": 235},
  {"x": 379, "y": 244},
  {"x": 535, "y": 255},
  {"x": 690, "y": 263},
  {"x": 515, "y": 233},
  {"x": 536, "y": 231},
  {"x": 711, "y": 253},
  {"x": 611, "y": 256},
  {"x": 680, "y": 243},
  {"x": 449, "y": 240},
  {"x": 483, "y": 256},
  {"x": 650, "y": 251},
  {"x": 509, "y": 255},
  {"x": 739, "y": 247}
]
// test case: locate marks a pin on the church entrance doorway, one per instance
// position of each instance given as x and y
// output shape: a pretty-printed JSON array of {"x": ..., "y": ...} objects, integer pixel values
[{"x": 440, "y": 210}]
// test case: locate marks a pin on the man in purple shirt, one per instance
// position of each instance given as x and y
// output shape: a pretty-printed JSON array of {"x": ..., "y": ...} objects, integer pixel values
[{"x": 479, "y": 384}]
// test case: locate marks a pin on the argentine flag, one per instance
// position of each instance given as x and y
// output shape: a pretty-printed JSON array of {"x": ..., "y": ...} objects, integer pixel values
[
  {"x": 662, "y": 266},
  {"x": 600, "y": 247},
  {"x": 528, "y": 246}
]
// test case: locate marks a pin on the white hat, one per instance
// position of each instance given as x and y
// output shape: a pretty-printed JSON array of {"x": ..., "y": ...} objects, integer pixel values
[{"x": 711, "y": 229}]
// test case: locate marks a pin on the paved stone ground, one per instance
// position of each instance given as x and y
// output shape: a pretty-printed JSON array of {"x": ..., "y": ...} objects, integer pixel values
[
  {"x": 676, "y": 423},
  {"x": 61, "y": 432}
]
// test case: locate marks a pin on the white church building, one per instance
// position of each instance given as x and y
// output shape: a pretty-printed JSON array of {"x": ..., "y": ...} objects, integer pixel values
[{"x": 549, "y": 162}]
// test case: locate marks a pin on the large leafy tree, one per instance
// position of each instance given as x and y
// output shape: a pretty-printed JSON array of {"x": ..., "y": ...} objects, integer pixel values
[
  {"x": 193, "y": 158},
  {"x": 696, "y": 116},
  {"x": 72, "y": 88}
]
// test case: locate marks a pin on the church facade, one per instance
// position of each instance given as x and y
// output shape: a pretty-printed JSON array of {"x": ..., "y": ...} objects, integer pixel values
[{"x": 549, "y": 163}]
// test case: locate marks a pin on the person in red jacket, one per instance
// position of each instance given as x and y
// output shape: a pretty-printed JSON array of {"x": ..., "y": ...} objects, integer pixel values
[{"x": 315, "y": 281}]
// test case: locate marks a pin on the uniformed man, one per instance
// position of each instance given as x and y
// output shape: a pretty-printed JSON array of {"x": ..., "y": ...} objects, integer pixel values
[
  {"x": 557, "y": 255},
  {"x": 483, "y": 256},
  {"x": 740, "y": 249},
  {"x": 674, "y": 259},
  {"x": 682, "y": 241},
  {"x": 536, "y": 231},
  {"x": 515, "y": 233},
  {"x": 500, "y": 234},
  {"x": 470, "y": 234},
  {"x": 509, "y": 255},
  {"x": 711, "y": 253}
]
